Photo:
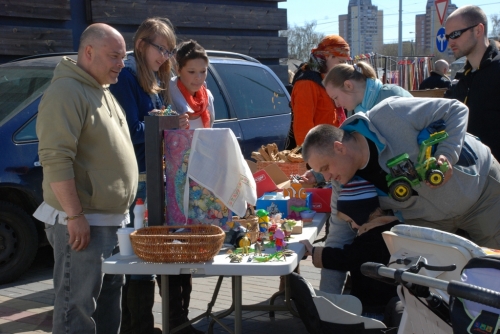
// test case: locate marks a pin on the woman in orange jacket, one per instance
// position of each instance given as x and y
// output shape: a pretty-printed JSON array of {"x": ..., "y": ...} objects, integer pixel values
[{"x": 311, "y": 104}]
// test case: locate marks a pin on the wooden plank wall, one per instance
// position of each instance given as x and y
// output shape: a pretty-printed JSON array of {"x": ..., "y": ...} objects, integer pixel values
[{"x": 245, "y": 26}]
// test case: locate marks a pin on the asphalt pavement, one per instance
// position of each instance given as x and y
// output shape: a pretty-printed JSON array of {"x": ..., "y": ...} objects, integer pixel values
[{"x": 26, "y": 305}]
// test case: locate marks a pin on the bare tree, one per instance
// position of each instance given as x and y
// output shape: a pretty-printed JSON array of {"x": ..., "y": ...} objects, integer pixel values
[
  {"x": 495, "y": 29},
  {"x": 301, "y": 39}
]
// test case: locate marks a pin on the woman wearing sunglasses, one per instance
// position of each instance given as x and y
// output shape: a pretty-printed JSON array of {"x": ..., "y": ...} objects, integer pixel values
[{"x": 142, "y": 88}]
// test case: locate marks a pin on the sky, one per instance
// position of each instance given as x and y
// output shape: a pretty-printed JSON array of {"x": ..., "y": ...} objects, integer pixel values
[{"x": 326, "y": 13}]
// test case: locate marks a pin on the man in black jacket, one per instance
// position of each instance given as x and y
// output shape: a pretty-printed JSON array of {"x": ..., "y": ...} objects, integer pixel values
[
  {"x": 438, "y": 78},
  {"x": 479, "y": 84}
]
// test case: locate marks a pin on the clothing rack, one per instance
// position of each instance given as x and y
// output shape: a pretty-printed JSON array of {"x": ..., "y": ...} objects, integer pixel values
[{"x": 405, "y": 71}]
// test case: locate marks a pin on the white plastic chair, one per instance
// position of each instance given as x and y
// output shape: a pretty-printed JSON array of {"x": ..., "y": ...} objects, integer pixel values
[{"x": 439, "y": 249}]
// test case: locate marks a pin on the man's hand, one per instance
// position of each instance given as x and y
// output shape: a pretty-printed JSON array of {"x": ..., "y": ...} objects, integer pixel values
[
  {"x": 184, "y": 121},
  {"x": 79, "y": 233},
  {"x": 309, "y": 247},
  {"x": 308, "y": 178},
  {"x": 442, "y": 159}
]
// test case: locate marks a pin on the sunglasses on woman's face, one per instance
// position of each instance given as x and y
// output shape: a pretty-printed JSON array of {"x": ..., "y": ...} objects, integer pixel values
[{"x": 457, "y": 33}]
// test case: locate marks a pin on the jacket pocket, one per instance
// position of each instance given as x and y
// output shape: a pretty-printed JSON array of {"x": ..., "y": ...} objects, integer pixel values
[{"x": 108, "y": 191}]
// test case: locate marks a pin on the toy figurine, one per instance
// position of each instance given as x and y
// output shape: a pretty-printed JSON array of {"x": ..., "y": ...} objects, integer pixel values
[
  {"x": 244, "y": 244},
  {"x": 271, "y": 231},
  {"x": 279, "y": 237},
  {"x": 258, "y": 248},
  {"x": 287, "y": 226},
  {"x": 263, "y": 215}
]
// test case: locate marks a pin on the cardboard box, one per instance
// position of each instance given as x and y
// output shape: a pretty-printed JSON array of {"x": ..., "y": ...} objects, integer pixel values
[
  {"x": 268, "y": 179},
  {"x": 297, "y": 229},
  {"x": 321, "y": 199},
  {"x": 274, "y": 206}
]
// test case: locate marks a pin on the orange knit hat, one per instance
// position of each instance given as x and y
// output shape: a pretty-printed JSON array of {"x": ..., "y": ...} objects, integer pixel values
[{"x": 334, "y": 45}]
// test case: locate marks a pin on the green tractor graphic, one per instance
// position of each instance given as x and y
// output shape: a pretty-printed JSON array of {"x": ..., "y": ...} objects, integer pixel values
[{"x": 404, "y": 174}]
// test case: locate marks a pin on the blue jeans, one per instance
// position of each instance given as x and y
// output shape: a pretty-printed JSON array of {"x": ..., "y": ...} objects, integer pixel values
[
  {"x": 340, "y": 234},
  {"x": 86, "y": 300}
]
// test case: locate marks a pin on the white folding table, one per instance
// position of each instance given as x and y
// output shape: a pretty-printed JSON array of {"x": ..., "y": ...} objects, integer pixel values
[{"x": 220, "y": 266}]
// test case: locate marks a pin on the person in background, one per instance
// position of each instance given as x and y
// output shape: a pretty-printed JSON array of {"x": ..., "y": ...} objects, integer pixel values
[
  {"x": 310, "y": 103},
  {"x": 478, "y": 86},
  {"x": 357, "y": 89},
  {"x": 143, "y": 87},
  {"x": 358, "y": 207},
  {"x": 88, "y": 181},
  {"x": 438, "y": 77},
  {"x": 190, "y": 95}
]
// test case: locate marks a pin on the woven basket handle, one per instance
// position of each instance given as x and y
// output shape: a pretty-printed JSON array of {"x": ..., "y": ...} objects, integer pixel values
[{"x": 250, "y": 212}]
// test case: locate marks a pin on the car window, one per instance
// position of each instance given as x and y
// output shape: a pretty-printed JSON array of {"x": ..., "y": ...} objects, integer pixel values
[
  {"x": 253, "y": 91},
  {"x": 27, "y": 133},
  {"x": 19, "y": 86},
  {"x": 220, "y": 106}
]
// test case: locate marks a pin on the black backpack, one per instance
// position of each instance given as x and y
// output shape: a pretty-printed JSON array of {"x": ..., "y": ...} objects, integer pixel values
[{"x": 471, "y": 317}]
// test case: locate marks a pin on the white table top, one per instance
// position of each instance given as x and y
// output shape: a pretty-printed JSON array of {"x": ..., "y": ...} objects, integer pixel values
[{"x": 220, "y": 265}]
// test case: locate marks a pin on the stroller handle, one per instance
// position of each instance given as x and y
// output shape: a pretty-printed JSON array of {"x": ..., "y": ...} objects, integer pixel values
[{"x": 453, "y": 288}]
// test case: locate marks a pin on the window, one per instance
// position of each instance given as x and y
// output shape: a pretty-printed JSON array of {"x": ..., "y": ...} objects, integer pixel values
[
  {"x": 220, "y": 106},
  {"x": 27, "y": 133},
  {"x": 253, "y": 91},
  {"x": 19, "y": 86}
]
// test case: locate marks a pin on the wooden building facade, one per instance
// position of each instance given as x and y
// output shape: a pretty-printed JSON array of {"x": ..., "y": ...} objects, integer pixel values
[{"x": 250, "y": 27}]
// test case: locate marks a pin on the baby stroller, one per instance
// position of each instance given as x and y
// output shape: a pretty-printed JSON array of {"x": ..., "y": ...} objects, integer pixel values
[
  {"x": 425, "y": 252},
  {"x": 433, "y": 254},
  {"x": 472, "y": 309}
]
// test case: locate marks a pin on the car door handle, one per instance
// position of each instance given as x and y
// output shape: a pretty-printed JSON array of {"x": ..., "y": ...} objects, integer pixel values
[{"x": 37, "y": 164}]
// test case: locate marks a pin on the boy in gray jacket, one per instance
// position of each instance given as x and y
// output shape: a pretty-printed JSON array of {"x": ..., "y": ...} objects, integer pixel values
[{"x": 469, "y": 197}]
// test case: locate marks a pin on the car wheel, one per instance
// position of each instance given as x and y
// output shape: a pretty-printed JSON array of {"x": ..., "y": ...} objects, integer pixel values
[
  {"x": 435, "y": 177},
  {"x": 18, "y": 242},
  {"x": 400, "y": 191}
]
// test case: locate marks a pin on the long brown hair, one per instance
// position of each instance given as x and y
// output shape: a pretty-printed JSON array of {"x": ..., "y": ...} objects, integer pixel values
[{"x": 148, "y": 30}]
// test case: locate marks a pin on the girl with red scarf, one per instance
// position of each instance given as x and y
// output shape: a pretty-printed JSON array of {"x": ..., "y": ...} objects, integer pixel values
[{"x": 188, "y": 90}]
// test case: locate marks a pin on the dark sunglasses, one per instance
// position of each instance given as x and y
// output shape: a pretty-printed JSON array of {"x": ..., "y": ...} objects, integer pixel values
[
  {"x": 164, "y": 52},
  {"x": 457, "y": 33}
]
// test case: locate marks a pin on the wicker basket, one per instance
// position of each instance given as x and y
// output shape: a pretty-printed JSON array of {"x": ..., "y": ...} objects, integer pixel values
[
  {"x": 250, "y": 222},
  {"x": 200, "y": 243},
  {"x": 289, "y": 168}
]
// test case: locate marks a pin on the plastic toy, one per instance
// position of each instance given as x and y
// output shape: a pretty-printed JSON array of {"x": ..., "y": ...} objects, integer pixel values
[
  {"x": 258, "y": 248},
  {"x": 404, "y": 174},
  {"x": 235, "y": 257},
  {"x": 288, "y": 227},
  {"x": 271, "y": 231},
  {"x": 275, "y": 256},
  {"x": 279, "y": 239},
  {"x": 244, "y": 243}
]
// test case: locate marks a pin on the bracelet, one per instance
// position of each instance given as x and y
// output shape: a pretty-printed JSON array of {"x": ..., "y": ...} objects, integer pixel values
[
  {"x": 75, "y": 216},
  {"x": 313, "y": 251}
]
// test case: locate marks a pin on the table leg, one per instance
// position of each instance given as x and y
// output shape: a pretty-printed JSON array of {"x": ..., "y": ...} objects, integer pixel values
[
  {"x": 237, "y": 304},
  {"x": 165, "y": 304}
]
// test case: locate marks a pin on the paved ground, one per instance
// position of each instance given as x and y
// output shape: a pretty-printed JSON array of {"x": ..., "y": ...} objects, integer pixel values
[{"x": 26, "y": 305}]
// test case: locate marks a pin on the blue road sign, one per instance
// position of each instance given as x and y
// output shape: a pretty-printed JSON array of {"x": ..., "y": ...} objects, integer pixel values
[{"x": 441, "y": 41}]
